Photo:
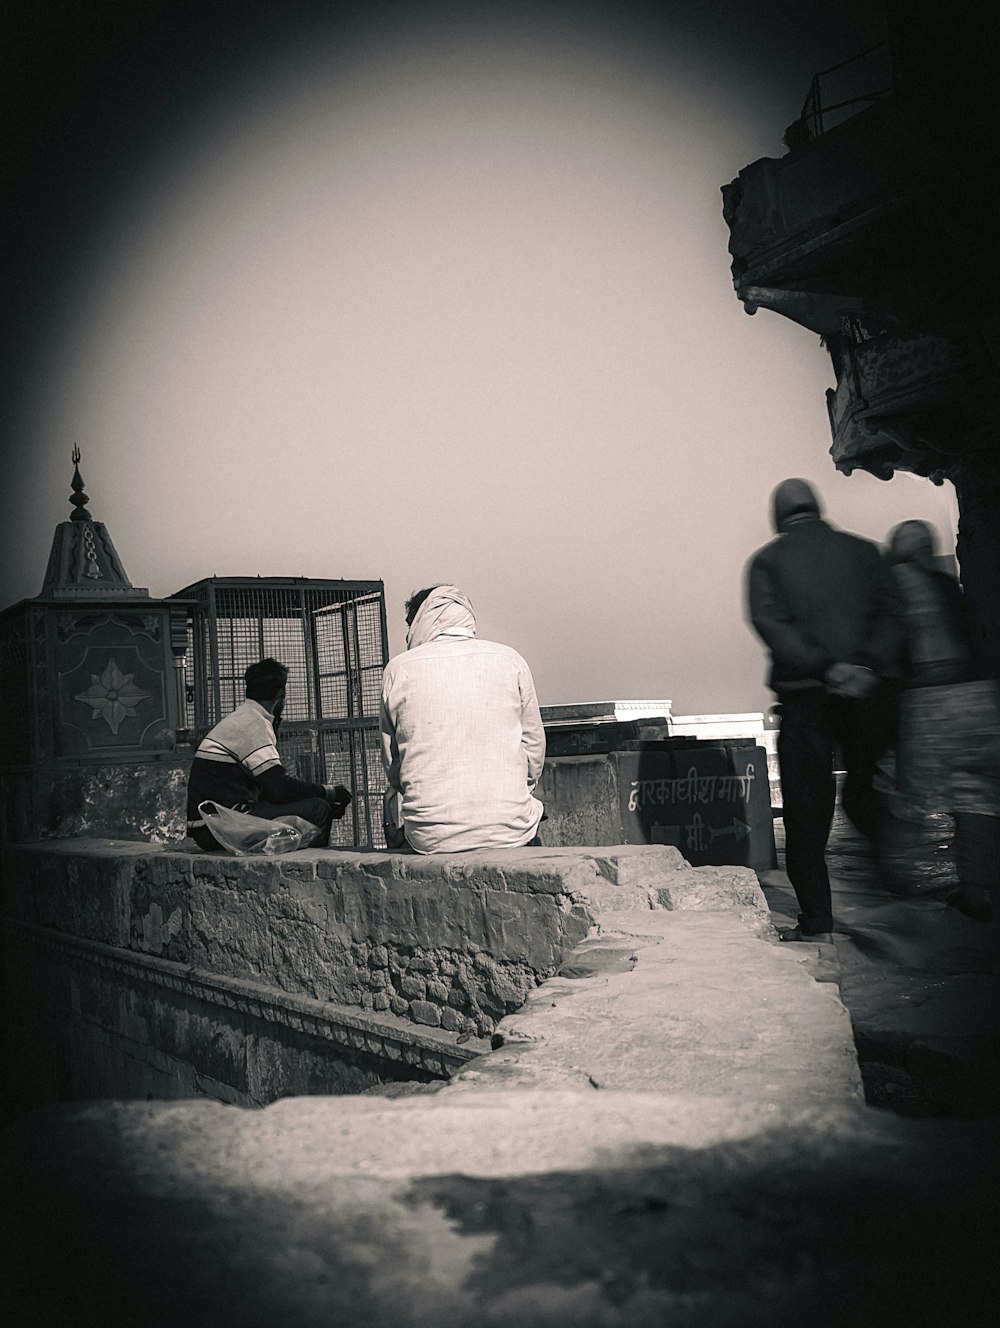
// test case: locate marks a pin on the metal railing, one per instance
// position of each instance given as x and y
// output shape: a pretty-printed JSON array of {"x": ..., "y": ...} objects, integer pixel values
[{"x": 813, "y": 121}]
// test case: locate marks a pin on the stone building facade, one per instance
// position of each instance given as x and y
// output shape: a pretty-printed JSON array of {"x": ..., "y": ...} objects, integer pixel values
[{"x": 877, "y": 235}]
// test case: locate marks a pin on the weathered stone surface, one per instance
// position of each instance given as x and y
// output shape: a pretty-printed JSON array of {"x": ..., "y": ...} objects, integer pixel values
[
  {"x": 80, "y": 888},
  {"x": 412, "y": 986},
  {"x": 749, "y": 1189},
  {"x": 707, "y": 889},
  {"x": 506, "y": 1210},
  {"x": 471, "y": 933},
  {"x": 590, "y": 799},
  {"x": 580, "y": 794},
  {"x": 692, "y": 1003},
  {"x": 303, "y": 913},
  {"x": 920, "y": 981},
  {"x": 426, "y": 1013},
  {"x": 290, "y": 1067},
  {"x": 134, "y": 801}
]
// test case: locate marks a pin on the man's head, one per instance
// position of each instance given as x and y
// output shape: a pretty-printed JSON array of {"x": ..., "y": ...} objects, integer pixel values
[
  {"x": 414, "y": 602},
  {"x": 438, "y": 611},
  {"x": 913, "y": 542},
  {"x": 265, "y": 682},
  {"x": 793, "y": 500}
]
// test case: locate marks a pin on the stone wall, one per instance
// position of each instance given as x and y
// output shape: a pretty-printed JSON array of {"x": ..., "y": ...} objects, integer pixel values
[
  {"x": 711, "y": 800},
  {"x": 84, "y": 1020},
  {"x": 140, "y": 800},
  {"x": 247, "y": 978}
]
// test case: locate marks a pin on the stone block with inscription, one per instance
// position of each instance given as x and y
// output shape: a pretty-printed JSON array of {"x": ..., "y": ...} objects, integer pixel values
[{"x": 711, "y": 800}]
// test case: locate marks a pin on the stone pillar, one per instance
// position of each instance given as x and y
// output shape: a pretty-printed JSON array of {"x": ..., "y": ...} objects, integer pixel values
[{"x": 978, "y": 548}]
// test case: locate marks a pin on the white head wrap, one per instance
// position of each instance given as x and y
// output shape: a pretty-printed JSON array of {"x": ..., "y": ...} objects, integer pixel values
[{"x": 445, "y": 612}]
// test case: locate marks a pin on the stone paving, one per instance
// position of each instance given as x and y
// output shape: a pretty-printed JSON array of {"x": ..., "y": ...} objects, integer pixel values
[
  {"x": 921, "y": 981},
  {"x": 670, "y": 1132},
  {"x": 518, "y": 1208},
  {"x": 687, "y": 1003}
]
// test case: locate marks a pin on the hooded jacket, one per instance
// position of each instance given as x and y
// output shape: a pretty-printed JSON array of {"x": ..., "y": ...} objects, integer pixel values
[
  {"x": 819, "y": 596},
  {"x": 939, "y": 647},
  {"x": 462, "y": 736}
]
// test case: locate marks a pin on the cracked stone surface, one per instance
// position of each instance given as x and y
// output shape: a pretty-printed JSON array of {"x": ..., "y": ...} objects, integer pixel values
[
  {"x": 921, "y": 981},
  {"x": 692, "y": 1003}
]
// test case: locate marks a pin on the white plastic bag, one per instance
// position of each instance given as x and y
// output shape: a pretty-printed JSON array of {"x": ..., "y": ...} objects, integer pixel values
[{"x": 242, "y": 834}]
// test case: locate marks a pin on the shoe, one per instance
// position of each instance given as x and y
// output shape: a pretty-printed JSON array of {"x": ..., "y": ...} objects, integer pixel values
[
  {"x": 797, "y": 934},
  {"x": 972, "y": 900}
]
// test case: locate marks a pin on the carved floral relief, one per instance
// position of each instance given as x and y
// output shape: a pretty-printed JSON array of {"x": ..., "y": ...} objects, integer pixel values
[{"x": 113, "y": 696}]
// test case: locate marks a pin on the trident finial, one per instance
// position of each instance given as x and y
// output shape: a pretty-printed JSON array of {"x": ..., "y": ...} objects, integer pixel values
[{"x": 79, "y": 499}]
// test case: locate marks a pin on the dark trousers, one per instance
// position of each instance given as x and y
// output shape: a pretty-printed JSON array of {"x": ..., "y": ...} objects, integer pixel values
[
  {"x": 813, "y": 727},
  {"x": 317, "y": 811},
  {"x": 977, "y": 849}
]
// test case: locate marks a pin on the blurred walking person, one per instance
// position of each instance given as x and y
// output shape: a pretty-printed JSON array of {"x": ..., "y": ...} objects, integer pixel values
[
  {"x": 948, "y": 741},
  {"x": 821, "y": 601}
]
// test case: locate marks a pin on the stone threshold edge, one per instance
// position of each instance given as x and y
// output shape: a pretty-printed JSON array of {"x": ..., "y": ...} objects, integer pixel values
[{"x": 303, "y": 1014}]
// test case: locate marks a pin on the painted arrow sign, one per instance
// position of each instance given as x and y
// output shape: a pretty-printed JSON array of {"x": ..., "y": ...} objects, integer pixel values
[{"x": 738, "y": 829}]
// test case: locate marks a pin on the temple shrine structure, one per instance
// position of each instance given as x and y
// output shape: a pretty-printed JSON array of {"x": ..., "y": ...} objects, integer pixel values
[{"x": 94, "y": 675}]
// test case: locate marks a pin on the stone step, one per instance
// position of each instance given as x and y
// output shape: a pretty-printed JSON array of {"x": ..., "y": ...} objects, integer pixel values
[{"x": 678, "y": 1002}]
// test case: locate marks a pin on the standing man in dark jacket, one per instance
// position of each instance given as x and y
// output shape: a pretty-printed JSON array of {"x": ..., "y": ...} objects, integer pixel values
[
  {"x": 821, "y": 600},
  {"x": 237, "y": 765}
]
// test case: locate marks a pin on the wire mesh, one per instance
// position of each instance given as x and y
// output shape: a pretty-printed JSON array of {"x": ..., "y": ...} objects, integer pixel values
[
  {"x": 331, "y": 636},
  {"x": 351, "y": 756},
  {"x": 350, "y": 654},
  {"x": 299, "y": 752}
]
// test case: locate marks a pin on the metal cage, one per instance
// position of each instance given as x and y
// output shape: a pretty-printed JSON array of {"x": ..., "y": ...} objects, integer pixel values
[{"x": 332, "y": 637}]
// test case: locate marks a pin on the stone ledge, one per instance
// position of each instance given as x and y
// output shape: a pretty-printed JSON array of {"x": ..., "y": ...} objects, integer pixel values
[
  {"x": 692, "y": 1004},
  {"x": 446, "y": 941},
  {"x": 389, "y": 1038},
  {"x": 442, "y": 946}
]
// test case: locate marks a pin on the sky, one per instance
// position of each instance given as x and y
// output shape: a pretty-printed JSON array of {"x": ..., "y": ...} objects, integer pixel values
[{"x": 422, "y": 292}]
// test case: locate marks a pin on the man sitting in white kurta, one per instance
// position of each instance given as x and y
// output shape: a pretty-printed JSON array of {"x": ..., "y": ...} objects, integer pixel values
[{"x": 462, "y": 737}]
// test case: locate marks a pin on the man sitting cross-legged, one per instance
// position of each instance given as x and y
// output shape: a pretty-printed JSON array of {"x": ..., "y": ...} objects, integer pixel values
[{"x": 237, "y": 765}]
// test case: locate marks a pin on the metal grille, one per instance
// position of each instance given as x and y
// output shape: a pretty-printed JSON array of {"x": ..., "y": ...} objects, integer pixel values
[
  {"x": 332, "y": 637},
  {"x": 299, "y": 752},
  {"x": 350, "y": 658},
  {"x": 351, "y": 757}
]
